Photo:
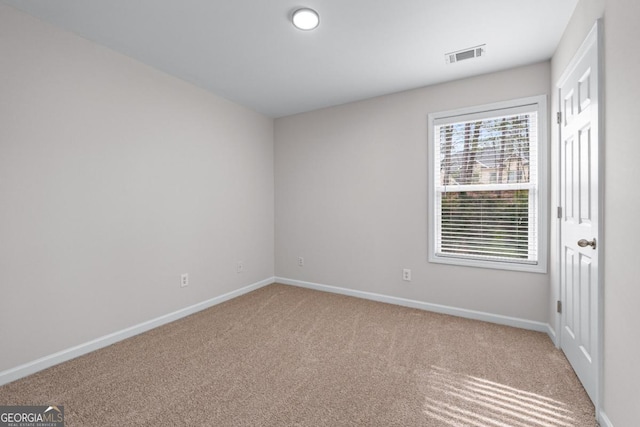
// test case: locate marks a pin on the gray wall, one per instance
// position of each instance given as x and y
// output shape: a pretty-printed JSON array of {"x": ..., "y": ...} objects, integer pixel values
[
  {"x": 351, "y": 198},
  {"x": 622, "y": 202},
  {"x": 622, "y": 198},
  {"x": 115, "y": 179}
]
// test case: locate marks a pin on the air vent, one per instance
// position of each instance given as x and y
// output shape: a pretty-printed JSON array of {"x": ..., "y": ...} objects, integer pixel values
[{"x": 461, "y": 55}]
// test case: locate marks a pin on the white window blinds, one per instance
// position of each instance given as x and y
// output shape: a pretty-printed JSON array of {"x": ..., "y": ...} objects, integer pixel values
[{"x": 485, "y": 185}]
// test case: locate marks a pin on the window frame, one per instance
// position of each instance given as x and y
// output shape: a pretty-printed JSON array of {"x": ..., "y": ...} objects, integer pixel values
[{"x": 539, "y": 103}]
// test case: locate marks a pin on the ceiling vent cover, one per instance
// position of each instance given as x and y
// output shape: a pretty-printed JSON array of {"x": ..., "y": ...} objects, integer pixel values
[{"x": 461, "y": 55}]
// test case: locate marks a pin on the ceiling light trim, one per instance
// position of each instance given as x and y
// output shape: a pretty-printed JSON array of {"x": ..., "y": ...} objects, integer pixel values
[{"x": 305, "y": 19}]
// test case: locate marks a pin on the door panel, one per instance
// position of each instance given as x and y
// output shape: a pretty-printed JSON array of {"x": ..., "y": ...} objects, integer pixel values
[
  {"x": 567, "y": 176},
  {"x": 569, "y": 292},
  {"x": 585, "y": 297},
  {"x": 585, "y": 179}
]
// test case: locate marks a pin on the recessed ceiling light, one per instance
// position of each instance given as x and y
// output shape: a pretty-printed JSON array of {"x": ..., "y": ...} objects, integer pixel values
[{"x": 305, "y": 19}]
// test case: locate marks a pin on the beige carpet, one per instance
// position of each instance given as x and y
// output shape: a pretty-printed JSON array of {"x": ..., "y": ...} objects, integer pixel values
[{"x": 286, "y": 356}]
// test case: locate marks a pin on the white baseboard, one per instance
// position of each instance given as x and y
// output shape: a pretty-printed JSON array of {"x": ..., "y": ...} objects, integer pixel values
[
  {"x": 460, "y": 312},
  {"x": 62, "y": 356},
  {"x": 604, "y": 420},
  {"x": 552, "y": 334}
]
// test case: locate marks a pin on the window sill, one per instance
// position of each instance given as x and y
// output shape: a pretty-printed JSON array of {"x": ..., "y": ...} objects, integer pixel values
[{"x": 539, "y": 267}]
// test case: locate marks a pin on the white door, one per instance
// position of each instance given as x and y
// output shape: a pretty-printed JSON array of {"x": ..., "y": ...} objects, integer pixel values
[{"x": 580, "y": 214}]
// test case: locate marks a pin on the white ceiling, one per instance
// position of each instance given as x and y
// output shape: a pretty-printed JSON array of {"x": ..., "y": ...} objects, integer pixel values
[{"x": 249, "y": 52}]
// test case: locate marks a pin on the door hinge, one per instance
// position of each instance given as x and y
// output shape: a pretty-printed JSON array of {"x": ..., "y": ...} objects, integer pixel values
[
  {"x": 559, "y": 117},
  {"x": 559, "y": 212},
  {"x": 559, "y": 306}
]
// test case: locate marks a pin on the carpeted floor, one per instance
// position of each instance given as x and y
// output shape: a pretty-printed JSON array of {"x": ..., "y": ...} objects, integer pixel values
[{"x": 286, "y": 356}]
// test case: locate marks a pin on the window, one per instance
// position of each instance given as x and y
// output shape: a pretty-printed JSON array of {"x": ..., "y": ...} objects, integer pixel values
[{"x": 487, "y": 186}]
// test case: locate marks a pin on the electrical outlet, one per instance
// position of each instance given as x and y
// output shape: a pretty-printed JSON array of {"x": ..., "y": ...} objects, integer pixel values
[
  {"x": 406, "y": 274},
  {"x": 184, "y": 280},
  {"x": 239, "y": 267},
  {"x": 300, "y": 261}
]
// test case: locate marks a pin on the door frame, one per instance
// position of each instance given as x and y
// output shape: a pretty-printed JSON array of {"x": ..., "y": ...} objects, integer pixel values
[{"x": 593, "y": 39}]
